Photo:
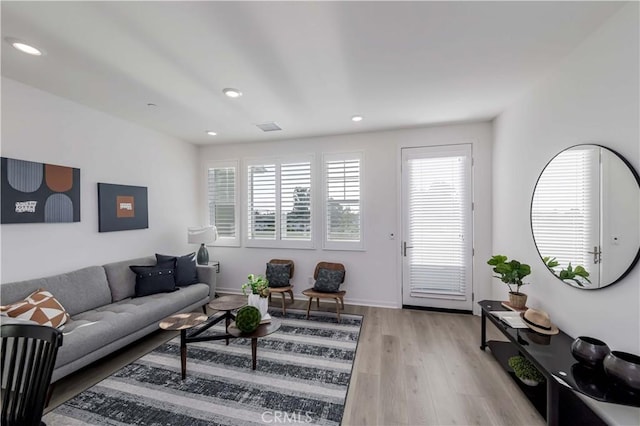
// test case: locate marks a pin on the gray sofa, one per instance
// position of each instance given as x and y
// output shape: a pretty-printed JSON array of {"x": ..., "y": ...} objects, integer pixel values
[{"x": 104, "y": 314}]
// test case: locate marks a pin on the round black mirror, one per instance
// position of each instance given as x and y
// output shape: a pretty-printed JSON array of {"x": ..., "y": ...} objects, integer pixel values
[{"x": 585, "y": 216}]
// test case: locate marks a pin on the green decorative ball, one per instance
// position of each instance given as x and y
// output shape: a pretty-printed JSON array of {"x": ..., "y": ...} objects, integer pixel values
[{"x": 248, "y": 319}]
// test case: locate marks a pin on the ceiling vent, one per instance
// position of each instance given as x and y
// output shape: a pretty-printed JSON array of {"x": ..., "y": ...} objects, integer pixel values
[{"x": 269, "y": 127}]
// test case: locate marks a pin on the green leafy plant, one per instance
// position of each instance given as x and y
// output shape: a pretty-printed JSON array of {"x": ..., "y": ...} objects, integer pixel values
[
  {"x": 258, "y": 285},
  {"x": 510, "y": 272},
  {"x": 569, "y": 273},
  {"x": 524, "y": 369}
]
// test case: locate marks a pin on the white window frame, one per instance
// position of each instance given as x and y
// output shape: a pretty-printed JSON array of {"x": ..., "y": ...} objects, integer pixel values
[
  {"x": 224, "y": 241},
  {"x": 278, "y": 242},
  {"x": 342, "y": 245}
]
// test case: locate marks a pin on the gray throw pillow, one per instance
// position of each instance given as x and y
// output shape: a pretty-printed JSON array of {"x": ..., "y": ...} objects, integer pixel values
[
  {"x": 278, "y": 274},
  {"x": 328, "y": 280}
]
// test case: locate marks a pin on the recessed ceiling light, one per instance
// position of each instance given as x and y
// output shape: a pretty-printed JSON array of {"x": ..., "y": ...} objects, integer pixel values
[
  {"x": 356, "y": 118},
  {"x": 232, "y": 93},
  {"x": 211, "y": 133},
  {"x": 24, "y": 47}
]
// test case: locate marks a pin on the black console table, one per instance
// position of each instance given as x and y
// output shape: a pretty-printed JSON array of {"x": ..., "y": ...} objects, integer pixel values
[{"x": 551, "y": 355}]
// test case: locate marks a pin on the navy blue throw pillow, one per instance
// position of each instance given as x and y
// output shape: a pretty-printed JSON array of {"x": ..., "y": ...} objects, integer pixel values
[
  {"x": 154, "y": 279},
  {"x": 328, "y": 280},
  {"x": 186, "y": 272},
  {"x": 278, "y": 274}
]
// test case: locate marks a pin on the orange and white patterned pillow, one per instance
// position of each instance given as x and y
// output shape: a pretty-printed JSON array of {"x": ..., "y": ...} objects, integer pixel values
[{"x": 40, "y": 306}]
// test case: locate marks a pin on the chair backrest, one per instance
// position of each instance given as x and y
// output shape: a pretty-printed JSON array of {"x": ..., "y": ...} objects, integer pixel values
[
  {"x": 28, "y": 357},
  {"x": 284, "y": 262},
  {"x": 331, "y": 266}
]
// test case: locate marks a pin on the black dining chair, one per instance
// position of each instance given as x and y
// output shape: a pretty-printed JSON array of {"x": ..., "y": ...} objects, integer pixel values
[{"x": 28, "y": 357}]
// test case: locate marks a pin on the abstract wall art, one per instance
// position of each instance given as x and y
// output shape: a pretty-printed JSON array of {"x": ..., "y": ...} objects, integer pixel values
[
  {"x": 122, "y": 207},
  {"x": 37, "y": 192}
]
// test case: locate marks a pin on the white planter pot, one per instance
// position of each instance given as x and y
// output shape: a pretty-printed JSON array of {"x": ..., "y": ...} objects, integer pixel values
[
  {"x": 529, "y": 382},
  {"x": 262, "y": 303}
]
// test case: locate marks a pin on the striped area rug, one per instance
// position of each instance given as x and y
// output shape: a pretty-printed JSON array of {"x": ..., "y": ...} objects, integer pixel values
[{"x": 302, "y": 376}]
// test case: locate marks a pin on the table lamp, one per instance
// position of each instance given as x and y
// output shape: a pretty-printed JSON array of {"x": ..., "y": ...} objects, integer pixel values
[{"x": 202, "y": 235}]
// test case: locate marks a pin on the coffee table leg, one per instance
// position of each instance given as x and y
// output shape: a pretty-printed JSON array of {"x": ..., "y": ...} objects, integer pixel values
[
  {"x": 183, "y": 352},
  {"x": 254, "y": 351},
  {"x": 227, "y": 321}
]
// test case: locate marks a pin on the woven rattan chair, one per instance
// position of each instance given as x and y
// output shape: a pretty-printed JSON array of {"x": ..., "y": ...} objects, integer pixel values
[
  {"x": 28, "y": 357},
  {"x": 337, "y": 296},
  {"x": 283, "y": 290}
]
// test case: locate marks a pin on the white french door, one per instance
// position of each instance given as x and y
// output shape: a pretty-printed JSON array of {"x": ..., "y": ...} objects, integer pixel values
[{"x": 437, "y": 227}]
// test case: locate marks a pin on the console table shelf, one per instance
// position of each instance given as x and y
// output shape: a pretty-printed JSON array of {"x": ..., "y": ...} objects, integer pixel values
[
  {"x": 502, "y": 351},
  {"x": 551, "y": 355}
]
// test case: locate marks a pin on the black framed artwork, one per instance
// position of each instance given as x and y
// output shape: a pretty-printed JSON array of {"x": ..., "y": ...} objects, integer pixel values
[
  {"x": 122, "y": 207},
  {"x": 38, "y": 192}
]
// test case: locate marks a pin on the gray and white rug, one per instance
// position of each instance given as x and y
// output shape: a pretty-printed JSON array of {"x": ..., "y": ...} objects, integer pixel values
[{"x": 302, "y": 376}]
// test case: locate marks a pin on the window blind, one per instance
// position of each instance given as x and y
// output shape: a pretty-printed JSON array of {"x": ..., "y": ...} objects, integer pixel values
[
  {"x": 221, "y": 193},
  {"x": 561, "y": 210},
  {"x": 295, "y": 201},
  {"x": 261, "y": 193},
  {"x": 342, "y": 196},
  {"x": 437, "y": 225}
]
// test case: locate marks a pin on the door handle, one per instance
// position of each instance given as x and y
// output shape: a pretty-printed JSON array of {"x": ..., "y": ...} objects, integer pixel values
[
  {"x": 597, "y": 254},
  {"x": 404, "y": 248}
]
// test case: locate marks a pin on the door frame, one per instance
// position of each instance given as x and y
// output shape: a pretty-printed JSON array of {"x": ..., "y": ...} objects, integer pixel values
[{"x": 400, "y": 224}]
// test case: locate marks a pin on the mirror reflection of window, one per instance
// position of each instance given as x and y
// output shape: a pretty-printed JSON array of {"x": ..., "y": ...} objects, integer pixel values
[
  {"x": 565, "y": 211},
  {"x": 586, "y": 210}
]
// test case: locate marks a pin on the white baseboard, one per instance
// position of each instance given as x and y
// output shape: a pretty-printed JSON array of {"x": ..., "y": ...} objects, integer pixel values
[{"x": 348, "y": 301}]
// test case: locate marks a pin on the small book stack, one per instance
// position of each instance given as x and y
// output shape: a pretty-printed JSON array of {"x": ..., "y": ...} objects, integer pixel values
[{"x": 510, "y": 318}]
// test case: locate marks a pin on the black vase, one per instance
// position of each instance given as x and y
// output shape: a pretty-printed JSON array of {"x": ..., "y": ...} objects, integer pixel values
[
  {"x": 623, "y": 367},
  {"x": 589, "y": 351}
]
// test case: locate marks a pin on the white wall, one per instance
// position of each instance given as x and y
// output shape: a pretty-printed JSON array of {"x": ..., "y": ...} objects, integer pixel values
[
  {"x": 38, "y": 126},
  {"x": 591, "y": 98},
  {"x": 373, "y": 275}
]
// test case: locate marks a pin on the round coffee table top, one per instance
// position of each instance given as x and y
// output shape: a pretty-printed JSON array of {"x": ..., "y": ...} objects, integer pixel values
[
  {"x": 182, "y": 321},
  {"x": 262, "y": 330},
  {"x": 228, "y": 303}
]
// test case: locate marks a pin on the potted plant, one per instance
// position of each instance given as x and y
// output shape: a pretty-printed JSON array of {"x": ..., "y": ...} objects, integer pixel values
[
  {"x": 511, "y": 272},
  {"x": 569, "y": 273},
  {"x": 259, "y": 292},
  {"x": 525, "y": 371}
]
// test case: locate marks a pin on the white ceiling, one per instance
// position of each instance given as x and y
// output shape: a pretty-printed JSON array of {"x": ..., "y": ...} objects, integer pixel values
[{"x": 309, "y": 66}]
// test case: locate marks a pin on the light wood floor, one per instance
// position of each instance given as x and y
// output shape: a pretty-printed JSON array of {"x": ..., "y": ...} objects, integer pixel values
[{"x": 412, "y": 368}]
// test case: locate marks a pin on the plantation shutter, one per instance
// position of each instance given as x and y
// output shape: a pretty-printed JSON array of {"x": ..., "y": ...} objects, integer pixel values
[
  {"x": 295, "y": 201},
  {"x": 221, "y": 194},
  {"x": 261, "y": 193},
  {"x": 343, "y": 208},
  {"x": 562, "y": 214},
  {"x": 438, "y": 224}
]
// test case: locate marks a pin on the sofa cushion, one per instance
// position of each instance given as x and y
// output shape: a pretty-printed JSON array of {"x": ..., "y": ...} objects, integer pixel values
[
  {"x": 186, "y": 273},
  {"x": 40, "y": 306},
  {"x": 93, "y": 329},
  {"x": 77, "y": 291},
  {"x": 154, "y": 279},
  {"x": 122, "y": 281}
]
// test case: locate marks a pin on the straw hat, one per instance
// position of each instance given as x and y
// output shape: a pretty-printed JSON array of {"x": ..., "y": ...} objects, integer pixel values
[{"x": 539, "y": 321}]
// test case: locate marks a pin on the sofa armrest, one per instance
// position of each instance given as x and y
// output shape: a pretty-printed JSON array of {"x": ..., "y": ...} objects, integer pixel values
[{"x": 208, "y": 274}]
